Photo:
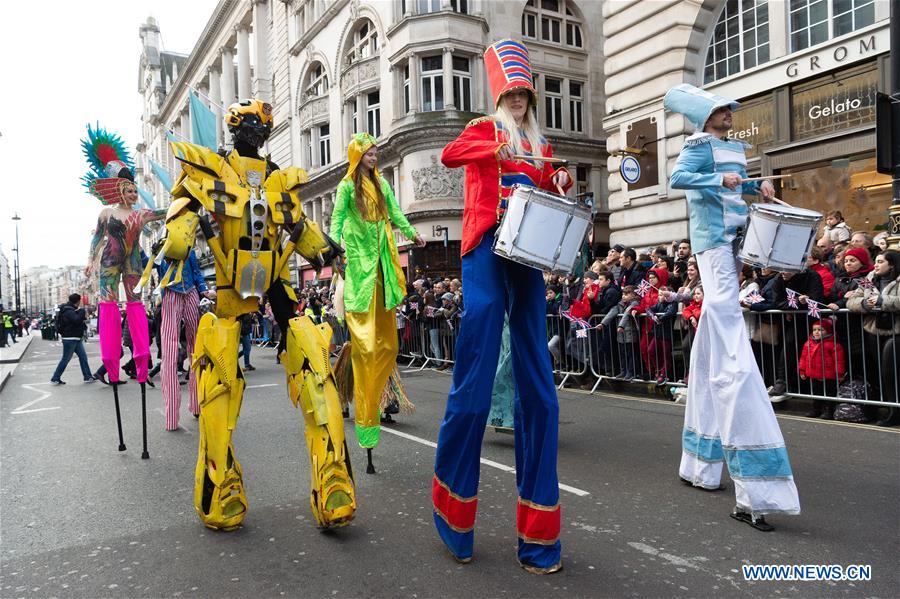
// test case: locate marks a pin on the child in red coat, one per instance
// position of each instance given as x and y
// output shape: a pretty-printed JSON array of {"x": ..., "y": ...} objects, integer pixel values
[
  {"x": 691, "y": 312},
  {"x": 822, "y": 363}
]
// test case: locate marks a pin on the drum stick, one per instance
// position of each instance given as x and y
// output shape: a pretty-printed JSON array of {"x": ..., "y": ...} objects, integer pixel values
[
  {"x": 550, "y": 160},
  {"x": 764, "y": 178}
]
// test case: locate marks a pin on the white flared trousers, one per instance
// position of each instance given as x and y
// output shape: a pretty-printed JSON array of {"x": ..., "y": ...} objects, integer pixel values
[{"x": 728, "y": 416}]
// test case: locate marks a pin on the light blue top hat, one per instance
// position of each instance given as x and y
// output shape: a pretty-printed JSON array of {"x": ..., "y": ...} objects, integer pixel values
[{"x": 694, "y": 103}]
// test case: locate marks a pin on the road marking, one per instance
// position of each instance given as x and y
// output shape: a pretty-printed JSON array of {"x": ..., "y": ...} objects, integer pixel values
[
  {"x": 44, "y": 395},
  {"x": 261, "y": 386},
  {"x": 485, "y": 461}
]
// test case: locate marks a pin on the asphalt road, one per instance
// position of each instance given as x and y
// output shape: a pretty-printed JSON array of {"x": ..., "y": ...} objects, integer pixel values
[{"x": 79, "y": 519}]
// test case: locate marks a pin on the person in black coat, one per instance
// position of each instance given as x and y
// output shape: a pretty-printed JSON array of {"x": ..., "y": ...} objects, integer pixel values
[
  {"x": 70, "y": 323},
  {"x": 632, "y": 273}
]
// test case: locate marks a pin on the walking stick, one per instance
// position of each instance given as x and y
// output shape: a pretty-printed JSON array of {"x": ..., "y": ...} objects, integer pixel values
[
  {"x": 145, "y": 454},
  {"x": 370, "y": 469},
  {"x": 115, "y": 387}
]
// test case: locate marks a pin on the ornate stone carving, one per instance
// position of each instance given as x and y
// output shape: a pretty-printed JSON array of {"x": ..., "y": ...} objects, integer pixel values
[
  {"x": 313, "y": 108},
  {"x": 359, "y": 74},
  {"x": 437, "y": 182}
]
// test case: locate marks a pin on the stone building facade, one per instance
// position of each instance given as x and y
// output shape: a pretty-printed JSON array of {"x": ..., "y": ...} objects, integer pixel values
[
  {"x": 411, "y": 73},
  {"x": 806, "y": 72}
]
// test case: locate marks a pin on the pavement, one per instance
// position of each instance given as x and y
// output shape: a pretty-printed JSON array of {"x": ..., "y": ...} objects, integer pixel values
[
  {"x": 80, "y": 519},
  {"x": 11, "y": 355}
]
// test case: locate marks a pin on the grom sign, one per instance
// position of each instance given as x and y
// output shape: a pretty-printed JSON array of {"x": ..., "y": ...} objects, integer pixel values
[{"x": 837, "y": 102}]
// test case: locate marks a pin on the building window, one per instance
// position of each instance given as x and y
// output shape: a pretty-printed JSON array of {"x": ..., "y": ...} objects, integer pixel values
[
  {"x": 576, "y": 118},
  {"x": 324, "y": 145},
  {"x": 354, "y": 115},
  {"x": 365, "y": 43},
  {"x": 740, "y": 39},
  {"x": 529, "y": 24},
  {"x": 432, "y": 83},
  {"x": 406, "y": 88},
  {"x": 553, "y": 103},
  {"x": 812, "y": 22},
  {"x": 581, "y": 179},
  {"x": 316, "y": 82},
  {"x": 427, "y": 6},
  {"x": 460, "y": 6},
  {"x": 308, "y": 147},
  {"x": 462, "y": 84},
  {"x": 554, "y": 17},
  {"x": 850, "y": 15},
  {"x": 373, "y": 113}
]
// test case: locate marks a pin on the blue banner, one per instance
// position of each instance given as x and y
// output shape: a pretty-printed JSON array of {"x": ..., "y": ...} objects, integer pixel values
[
  {"x": 148, "y": 198},
  {"x": 203, "y": 123},
  {"x": 161, "y": 174}
]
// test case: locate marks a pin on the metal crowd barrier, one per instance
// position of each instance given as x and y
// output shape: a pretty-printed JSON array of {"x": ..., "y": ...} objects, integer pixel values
[{"x": 870, "y": 362}]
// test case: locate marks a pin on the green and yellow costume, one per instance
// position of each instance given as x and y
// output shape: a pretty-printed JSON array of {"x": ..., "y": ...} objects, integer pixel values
[{"x": 374, "y": 286}]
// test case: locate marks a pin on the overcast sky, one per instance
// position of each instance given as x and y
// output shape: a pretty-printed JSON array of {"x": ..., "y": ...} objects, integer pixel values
[{"x": 64, "y": 64}]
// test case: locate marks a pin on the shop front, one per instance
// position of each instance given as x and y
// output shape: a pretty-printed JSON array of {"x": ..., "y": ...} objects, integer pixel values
[{"x": 821, "y": 132}]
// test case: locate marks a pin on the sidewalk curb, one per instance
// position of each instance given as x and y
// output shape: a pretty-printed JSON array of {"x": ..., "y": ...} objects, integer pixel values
[{"x": 8, "y": 364}]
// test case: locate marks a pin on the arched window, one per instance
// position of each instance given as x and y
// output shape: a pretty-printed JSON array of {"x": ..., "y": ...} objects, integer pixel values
[
  {"x": 815, "y": 21},
  {"x": 316, "y": 83},
  {"x": 554, "y": 21},
  {"x": 365, "y": 42},
  {"x": 740, "y": 39}
]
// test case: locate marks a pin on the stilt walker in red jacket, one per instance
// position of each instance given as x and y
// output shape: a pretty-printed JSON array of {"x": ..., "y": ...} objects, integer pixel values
[{"x": 494, "y": 286}]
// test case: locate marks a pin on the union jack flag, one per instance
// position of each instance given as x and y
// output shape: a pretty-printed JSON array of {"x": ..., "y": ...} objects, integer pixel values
[
  {"x": 429, "y": 311},
  {"x": 813, "y": 308},
  {"x": 754, "y": 297},
  {"x": 643, "y": 288},
  {"x": 652, "y": 316},
  {"x": 792, "y": 299},
  {"x": 578, "y": 321},
  {"x": 865, "y": 283}
]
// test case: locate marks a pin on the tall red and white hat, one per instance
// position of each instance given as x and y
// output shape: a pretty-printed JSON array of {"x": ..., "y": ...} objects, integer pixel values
[{"x": 508, "y": 67}]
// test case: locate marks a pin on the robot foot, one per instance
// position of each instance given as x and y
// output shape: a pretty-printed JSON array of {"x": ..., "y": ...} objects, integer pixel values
[
  {"x": 223, "y": 507},
  {"x": 333, "y": 499}
]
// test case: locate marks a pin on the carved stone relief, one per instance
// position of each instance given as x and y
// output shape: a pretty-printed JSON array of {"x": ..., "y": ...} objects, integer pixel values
[{"x": 437, "y": 182}]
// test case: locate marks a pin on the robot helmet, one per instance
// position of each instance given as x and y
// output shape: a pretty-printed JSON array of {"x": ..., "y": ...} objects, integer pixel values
[{"x": 250, "y": 121}]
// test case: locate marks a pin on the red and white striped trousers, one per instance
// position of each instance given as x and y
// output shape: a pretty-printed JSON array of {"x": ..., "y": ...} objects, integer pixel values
[{"x": 178, "y": 307}]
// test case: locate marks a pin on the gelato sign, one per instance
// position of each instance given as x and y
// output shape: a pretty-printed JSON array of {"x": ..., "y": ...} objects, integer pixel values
[
  {"x": 817, "y": 111},
  {"x": 834, "y": 103}
]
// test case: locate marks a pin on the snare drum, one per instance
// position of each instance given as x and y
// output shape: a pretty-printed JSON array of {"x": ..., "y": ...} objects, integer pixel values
[
  {"x": 779, "y": 237},
  {"x": 542, "y": 230}
]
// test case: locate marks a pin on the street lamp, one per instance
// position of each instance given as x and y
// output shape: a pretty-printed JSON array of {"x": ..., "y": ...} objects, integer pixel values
[
  {"x": 17, "y": 218},
  {"x": 445, "y": 233}
]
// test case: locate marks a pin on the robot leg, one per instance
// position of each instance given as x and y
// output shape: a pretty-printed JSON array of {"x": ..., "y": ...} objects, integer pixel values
[
  {"x": 311, "y": 386},
  {"x": 218, "y": 486}
]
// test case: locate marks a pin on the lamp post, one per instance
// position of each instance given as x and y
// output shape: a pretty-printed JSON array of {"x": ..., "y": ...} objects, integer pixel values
[{"x": 17, "y": 218}]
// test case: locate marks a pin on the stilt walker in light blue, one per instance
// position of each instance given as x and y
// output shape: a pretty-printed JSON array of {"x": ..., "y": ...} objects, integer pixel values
[{"x": 728, "y": 418}]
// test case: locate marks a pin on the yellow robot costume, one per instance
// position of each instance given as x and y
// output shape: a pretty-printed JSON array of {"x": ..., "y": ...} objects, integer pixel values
[{"x": 254, "y": 204}]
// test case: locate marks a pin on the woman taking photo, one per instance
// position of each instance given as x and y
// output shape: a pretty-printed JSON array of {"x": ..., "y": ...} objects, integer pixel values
[{"x": 364, "y": 213}]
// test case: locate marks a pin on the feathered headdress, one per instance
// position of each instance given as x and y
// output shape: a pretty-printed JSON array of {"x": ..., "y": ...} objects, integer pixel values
[{"x": 111, "y": 167}]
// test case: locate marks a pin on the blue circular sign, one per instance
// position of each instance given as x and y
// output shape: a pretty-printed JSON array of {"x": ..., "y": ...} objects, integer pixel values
[{"x": 630, "y": 170}]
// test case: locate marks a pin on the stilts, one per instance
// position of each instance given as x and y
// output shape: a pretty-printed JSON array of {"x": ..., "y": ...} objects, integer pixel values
[
  {"x": 115, "y": 387},
  {"x": 145, "y": 454},
  {"x": 370, "y": 469},
  {"x": 757, "y": 522}
]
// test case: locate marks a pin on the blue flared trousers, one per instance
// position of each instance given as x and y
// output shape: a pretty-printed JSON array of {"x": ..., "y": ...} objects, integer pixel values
[{"x": 493, "y": 286}]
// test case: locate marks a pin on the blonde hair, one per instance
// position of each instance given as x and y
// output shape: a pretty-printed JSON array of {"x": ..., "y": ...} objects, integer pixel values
[{"x": 515, "y": 133}]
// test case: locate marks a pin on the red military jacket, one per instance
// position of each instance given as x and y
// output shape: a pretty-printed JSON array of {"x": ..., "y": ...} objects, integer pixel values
[{"x": 489, "y": 180}]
